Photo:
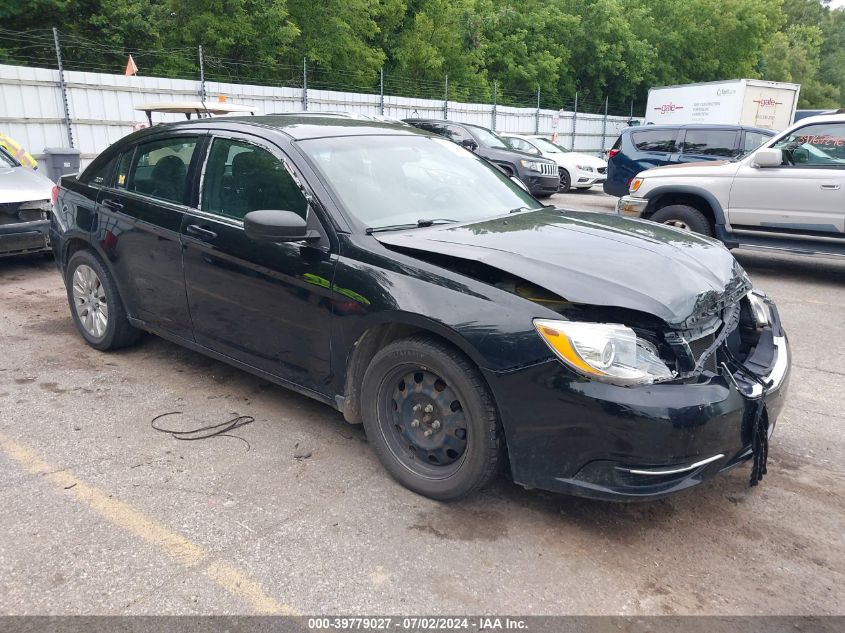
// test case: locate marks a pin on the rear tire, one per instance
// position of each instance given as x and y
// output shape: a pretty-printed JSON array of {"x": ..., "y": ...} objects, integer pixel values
[
  {"x": 95, "y": 303},
  {"x": 684, "y": 217},
  {"x": 430, "y": 418}
]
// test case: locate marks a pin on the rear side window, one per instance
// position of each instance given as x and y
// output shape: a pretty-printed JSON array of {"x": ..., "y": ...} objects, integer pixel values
[
  {"x": 160, "y": 168},
  {"x": 710, "y": 142},
  {"x": 655, "y": 140},
  {"x": 753, "y": 140},
  {"x": 241, "y": 177}
]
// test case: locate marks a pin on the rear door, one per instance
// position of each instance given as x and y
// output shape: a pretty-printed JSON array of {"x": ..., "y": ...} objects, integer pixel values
[
  {"x": 699, "y": 144},
  {"x": 805, "y": 196},
  {"x": 267, "y": 305},
  {"x": 139, "y": 222}
]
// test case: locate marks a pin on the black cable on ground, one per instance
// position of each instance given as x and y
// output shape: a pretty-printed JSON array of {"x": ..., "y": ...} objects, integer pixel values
[{"x": 204, "y": 432}]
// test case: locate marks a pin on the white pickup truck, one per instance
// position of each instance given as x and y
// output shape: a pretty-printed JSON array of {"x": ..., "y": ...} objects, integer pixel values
[{"x": 788, "y": 194}]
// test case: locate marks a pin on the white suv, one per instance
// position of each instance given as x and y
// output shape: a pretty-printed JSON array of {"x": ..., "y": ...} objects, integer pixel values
[
  {"x": 577, "y": 170},
  {"x": 788, "y": 194}
]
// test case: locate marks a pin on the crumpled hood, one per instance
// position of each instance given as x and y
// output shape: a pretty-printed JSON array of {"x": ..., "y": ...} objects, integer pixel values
[
  {"x": 19, "y": 184},
  {"x": 595, "y": 259}
]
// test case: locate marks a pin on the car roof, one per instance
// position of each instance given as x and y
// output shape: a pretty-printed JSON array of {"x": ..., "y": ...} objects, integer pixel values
[
  {"x": 298, "y": 126},
  {"x": 698, "y": 126},
  {"x": 821, "y": 118},
  {"x": 447, "y": 122}
]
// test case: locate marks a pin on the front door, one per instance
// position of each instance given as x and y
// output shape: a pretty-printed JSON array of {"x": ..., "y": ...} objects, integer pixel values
[
  {"x": 805, "y": 195},
  {"x": 265, "y": 304}
]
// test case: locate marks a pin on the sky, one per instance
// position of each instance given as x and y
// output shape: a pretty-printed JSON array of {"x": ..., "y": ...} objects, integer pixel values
[{"x": 837, "y": 3}]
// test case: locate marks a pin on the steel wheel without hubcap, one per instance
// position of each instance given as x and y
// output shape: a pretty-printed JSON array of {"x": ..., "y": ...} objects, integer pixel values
[
  {"x": 423, "y": 422},
  {"x": 89, "y": 300}
]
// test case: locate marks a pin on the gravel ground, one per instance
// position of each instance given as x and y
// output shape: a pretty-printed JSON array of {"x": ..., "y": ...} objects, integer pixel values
[{"x": 104, "y": 515}]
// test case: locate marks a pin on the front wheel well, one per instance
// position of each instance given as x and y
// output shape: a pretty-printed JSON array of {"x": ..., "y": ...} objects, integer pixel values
[
  {"x": 363, "y": 351},
  {"x": 688, "y": 199}
]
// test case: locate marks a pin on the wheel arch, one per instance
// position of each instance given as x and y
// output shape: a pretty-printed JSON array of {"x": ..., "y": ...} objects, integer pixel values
[
  {"x": 378, "y": 334},
  {"x": 695, "y": 197}
]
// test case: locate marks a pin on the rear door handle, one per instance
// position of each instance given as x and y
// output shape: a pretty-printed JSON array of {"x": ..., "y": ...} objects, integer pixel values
[
  {"x": 113, "y": 204},
  {"x": 203, "y": 233},
  {"x": 830, "y": 187}
]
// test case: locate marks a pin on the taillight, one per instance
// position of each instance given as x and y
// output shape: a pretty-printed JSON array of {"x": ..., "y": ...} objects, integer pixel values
[
  {"x": 611, "y": 153},
  {"x": 54, "y": 195}
]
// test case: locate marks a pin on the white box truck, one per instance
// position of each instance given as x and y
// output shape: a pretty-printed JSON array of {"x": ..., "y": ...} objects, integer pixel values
[{"x": 766, "y": 104}]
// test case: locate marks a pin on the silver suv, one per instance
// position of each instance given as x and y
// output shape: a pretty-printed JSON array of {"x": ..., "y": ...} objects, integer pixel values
[{"x": 787, "y": 195}]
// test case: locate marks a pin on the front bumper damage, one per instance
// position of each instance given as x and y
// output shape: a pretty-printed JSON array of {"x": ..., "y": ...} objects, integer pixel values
[
  {"x": 24, "y": 227},
  {"x": 631, "y": 206},
  {"x": 591, "y": 439}
]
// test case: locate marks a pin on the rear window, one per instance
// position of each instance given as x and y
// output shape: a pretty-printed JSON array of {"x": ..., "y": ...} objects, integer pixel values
[
  {"x": 655, "y": 140},
  {"x": 710, "y": 142}
]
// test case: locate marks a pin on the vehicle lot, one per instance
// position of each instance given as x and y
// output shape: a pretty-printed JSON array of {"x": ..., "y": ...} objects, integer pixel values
[{"x": 105, "y": 515}]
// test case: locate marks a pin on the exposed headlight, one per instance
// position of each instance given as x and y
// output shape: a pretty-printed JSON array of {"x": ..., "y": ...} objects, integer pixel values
[
  {"x": 584, "y": 167},
  {"x": 604, "y": 351},
  {"x": 533, "y": 165},
  {"x": 636, "y": 183},
  {"x": 759, "y": 309}
]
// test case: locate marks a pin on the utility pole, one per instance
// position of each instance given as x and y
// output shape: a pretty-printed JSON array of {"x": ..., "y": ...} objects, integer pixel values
[
  {"x": 305, "y": 84},
  {"x": 62, "y": 86},
  {"x": 381, "y": 90},
  {"x": 202, "y": 76},
  {"x": 446, "y": 99}
]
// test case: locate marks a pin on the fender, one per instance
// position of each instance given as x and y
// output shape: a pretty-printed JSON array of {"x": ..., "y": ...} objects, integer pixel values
[{"x": 718, "y": 211}]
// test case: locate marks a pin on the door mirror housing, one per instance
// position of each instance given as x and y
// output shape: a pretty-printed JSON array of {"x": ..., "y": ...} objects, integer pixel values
[
  {"x": 768, "y": 157},
  {"x": 469, "y": 144},
  {"x": 271, "y": 225}
]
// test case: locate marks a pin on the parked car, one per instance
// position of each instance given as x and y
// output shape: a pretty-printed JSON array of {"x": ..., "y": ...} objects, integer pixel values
[
  {"x": 24, "y": 208},
  {"x": 787, "y": 195},
  {"x": 640, "y": 148},
  {"x": 403, "y": 280},
  {"x": 540, "y": 175},
  {"x": 577, "y": 170}
]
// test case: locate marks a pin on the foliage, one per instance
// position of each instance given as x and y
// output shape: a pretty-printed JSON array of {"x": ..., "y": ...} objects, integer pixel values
[{"x": 618, "y": 48}]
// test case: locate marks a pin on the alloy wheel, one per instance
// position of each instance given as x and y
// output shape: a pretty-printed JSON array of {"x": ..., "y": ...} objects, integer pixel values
[{"x": 89, "y": 300}]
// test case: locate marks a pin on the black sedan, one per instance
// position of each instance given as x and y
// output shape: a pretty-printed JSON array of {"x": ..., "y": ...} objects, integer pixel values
[{"x": 401, "y": 279}]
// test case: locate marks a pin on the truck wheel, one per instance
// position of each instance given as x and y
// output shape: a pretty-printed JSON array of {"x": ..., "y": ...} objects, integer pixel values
[
  {"x": 684, "y": 217},
  {"x": 430, "y": 418},
  {"x": 95, "y": 304},
  {"x": 565, "y": 180}
]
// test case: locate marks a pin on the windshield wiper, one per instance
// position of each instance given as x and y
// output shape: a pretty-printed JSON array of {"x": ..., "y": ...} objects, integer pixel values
[{"x": 418, "y": 225}]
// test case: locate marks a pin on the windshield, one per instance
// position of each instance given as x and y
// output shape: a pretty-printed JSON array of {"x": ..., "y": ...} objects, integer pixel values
[
  {"x": 396, "y": 180},
  {"x": 546, "y": 146},
  {"x": 6, "y": 160},
  {"x": 488, "y": 138}
]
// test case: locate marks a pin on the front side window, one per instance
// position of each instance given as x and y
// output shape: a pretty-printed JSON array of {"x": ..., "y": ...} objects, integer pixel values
[
  {"x": 241, "y": 177},
  {"x": 546, "y": 146},
  {"x": 710, "y": 142},
  {"x": 457, "y": 134},
  {"x": 655, "y": 140},
  {"x": 488, "y": 138},
  {"x": 392, "y": 180},
  {"x": 817, "y": 145},
  {"x": 160, "y": 169}
]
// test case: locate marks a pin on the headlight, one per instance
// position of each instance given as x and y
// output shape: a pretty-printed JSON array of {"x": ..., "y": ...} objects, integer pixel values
[
  {"x": 533, "y": 165},
  {"x": 636, "y": 183},
  {"x": 604, "y": 351},
  {"x": 759, "y": 309},
  {"x": 584, "y": 167}
]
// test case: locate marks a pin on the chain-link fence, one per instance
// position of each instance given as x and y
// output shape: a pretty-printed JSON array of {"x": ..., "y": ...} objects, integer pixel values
[{"x": 50, "y": 97}]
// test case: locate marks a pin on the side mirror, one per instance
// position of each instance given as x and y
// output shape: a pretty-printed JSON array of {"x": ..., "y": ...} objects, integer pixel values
[
  {"x": 469, "y": 144},
  {"x": 269, "y": 225},
  {"x": 800, "y": 156},
  {"x": 768, "y": 157}
]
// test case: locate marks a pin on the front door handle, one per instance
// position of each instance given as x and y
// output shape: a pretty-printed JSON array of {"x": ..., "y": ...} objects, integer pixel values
[
  {"x": 113, "y": 204},
  {"x": 203, "y": 233},
  {"x": 830, "y": 187}
]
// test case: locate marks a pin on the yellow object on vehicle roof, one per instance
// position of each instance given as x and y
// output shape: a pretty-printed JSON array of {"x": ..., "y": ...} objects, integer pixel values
[{"x": 16, "y": 150}]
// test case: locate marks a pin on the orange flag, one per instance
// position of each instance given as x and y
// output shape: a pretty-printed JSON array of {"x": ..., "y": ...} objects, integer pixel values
[{"x": 131, "y": 68}]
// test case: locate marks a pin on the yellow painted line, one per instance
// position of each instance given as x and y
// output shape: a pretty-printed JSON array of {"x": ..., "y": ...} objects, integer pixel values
[{"x": 183, "y": 551}]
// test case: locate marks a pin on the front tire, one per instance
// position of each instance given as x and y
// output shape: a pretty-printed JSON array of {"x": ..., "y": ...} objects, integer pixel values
[
  {"x": 684, "y": 217},
  {"x": 431, "y": 419},
  {"x": 95, "y": 303},
  {"x": 565, "y": 180}
]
